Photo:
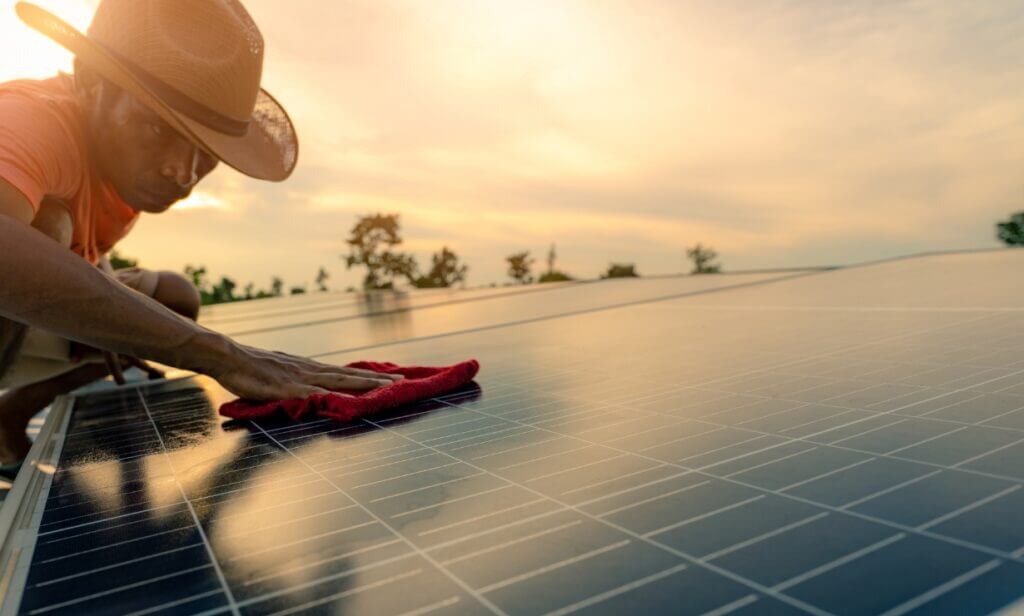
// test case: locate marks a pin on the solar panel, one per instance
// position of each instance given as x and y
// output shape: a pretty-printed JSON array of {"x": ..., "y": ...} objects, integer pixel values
[
  {"x": 849, "y": 442},
  {"x": 374, "y": 321},
  {"x": 335, "y": 304}
]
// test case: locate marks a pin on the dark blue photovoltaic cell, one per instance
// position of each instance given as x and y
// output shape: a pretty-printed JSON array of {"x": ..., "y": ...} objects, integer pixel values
[{"x": 848, "y": 442}]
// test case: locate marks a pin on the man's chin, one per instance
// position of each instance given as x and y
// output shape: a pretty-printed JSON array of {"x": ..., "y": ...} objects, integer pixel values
[
  {"x": 159, "y": 209},
  {"x": 150, "y": 205}
]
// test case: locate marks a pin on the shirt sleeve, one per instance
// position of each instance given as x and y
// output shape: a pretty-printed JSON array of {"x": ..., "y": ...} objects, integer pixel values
[{"x": 38, "y": 153}]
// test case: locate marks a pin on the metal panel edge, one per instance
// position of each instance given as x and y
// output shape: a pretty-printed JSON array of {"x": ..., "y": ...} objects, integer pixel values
[{"x": 20, "y": 515}]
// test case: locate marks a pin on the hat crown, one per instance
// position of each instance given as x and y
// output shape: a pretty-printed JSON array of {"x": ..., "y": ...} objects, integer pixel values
[{"x": 208, "y": 50}]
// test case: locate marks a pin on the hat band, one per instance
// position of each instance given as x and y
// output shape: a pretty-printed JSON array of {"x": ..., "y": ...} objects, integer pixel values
[{"x": 180, "y": 101}]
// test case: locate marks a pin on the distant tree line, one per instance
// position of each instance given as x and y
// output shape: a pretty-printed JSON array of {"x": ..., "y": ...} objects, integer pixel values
[
  {"x": 226, "y": 289},
  {"x": 375, "y": 240},
  {"x": 119, "y": 261},
  {"x": 520, "y": 266},
  {"x": 374, "y": 243}
]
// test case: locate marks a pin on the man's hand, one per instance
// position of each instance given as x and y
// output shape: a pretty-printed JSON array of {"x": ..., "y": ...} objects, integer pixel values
[{"x": 266, "y": 375}]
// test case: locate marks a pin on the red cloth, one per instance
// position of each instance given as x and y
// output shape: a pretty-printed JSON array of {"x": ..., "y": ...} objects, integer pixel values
[{"x": 420, "y": 383}]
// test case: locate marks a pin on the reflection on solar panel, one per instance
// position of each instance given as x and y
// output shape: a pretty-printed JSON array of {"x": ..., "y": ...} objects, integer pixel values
[{"x": 847, "y": 442}]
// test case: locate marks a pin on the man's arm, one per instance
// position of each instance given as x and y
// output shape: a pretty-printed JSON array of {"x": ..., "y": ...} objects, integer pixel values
[
  {"x": 47, "y": 286},
  {"x": 12, "y": 333}
]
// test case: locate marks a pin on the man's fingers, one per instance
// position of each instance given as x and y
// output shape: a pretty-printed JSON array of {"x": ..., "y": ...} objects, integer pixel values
[
  {"x": 315, "y": 366},
  {"x": 304, "y": 391},
  {"x": 343, "y": 381},
  {"x": 270, "y": 375},
  {"x": 114, "y": 366},
  {"x": 371, "y": 374},
  {"x": 151, "y": 372}
]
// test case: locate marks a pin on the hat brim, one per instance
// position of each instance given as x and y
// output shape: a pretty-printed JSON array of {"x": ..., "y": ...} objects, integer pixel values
[{"x": 268, "y": 150}]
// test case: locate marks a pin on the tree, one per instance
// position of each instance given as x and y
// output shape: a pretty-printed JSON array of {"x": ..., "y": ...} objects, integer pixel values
[
  {"x": 260, "y": 294},
  {"x": 1011, "y": 232},
  {"x": 371, "y": 244},
  {"x": 321, "y": 280},
  {"x": 398, "y": 264},
  {"x": 198, "y": 277},
  {"x": 519, "y": 265},
  {"x": 224, "y": 291},
  {"x": 621, "y": 270},
  {"x": 553, "y": 275},
  {"x": 445, "y": 271},
  {"x": 119, "y": 261},
  {"x": 703, "y": 258}
]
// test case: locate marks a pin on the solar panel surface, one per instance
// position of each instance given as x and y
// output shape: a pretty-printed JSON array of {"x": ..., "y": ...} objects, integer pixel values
[
  {"x": 848, "y": 442},
  {"x": 377, "y": 320}
]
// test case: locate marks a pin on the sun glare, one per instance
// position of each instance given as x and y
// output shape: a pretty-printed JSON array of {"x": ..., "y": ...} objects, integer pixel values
[
  {"x": 199, "y": 200},
  {"x": 30, "y": 55}
]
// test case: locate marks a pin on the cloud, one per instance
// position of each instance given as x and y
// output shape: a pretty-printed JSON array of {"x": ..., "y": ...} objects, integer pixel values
[{"x": 782, "y": 132}]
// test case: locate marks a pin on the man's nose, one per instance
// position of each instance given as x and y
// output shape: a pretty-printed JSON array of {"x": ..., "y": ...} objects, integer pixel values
[{"x": 181, "y": 168}]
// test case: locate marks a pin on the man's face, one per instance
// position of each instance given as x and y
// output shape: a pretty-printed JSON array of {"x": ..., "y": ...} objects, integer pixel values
[{"x": 149, "y": 163}]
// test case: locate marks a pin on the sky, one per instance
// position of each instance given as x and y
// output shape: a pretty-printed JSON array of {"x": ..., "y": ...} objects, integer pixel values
[{"x": 782, "y": 133}]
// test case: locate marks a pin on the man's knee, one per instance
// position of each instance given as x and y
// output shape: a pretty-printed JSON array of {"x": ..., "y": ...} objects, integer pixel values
[{"x": 178, "y": 293}]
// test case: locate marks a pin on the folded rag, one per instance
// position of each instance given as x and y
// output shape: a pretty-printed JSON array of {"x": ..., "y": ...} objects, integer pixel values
[{"x": 419, "y": 383}]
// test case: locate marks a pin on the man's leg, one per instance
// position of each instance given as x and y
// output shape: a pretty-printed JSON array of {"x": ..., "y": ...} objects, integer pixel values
[
  {"x": 170, "y": 289},
  {"x": 177, "y": 293},
  {"x": 19, "y": 405},
  {"x": 12, "y": 336}
]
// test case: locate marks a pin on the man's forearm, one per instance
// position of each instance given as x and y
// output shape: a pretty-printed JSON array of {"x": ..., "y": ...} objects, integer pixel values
[{"x": 49, "y": 287}]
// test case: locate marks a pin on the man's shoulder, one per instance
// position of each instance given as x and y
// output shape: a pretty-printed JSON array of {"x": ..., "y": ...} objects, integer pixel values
[
  {"x": 42, "y": 145},
  {"x": 57, "y": 90},
  {"x": 40, "y": 110}
]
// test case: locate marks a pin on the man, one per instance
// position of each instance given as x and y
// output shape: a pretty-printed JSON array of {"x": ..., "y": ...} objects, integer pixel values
[{"x": 162, "y": 91}]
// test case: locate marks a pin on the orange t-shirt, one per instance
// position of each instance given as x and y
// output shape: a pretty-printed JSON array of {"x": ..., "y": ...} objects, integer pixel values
[{"x": 43, "y": 153}]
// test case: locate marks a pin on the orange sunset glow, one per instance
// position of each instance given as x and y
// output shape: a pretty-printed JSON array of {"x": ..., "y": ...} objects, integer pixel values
[{"x": 782, "y": 133}]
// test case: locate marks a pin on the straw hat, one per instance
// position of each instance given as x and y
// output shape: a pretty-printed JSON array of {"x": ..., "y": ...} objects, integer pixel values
[{"x": 198, "y": 64}]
